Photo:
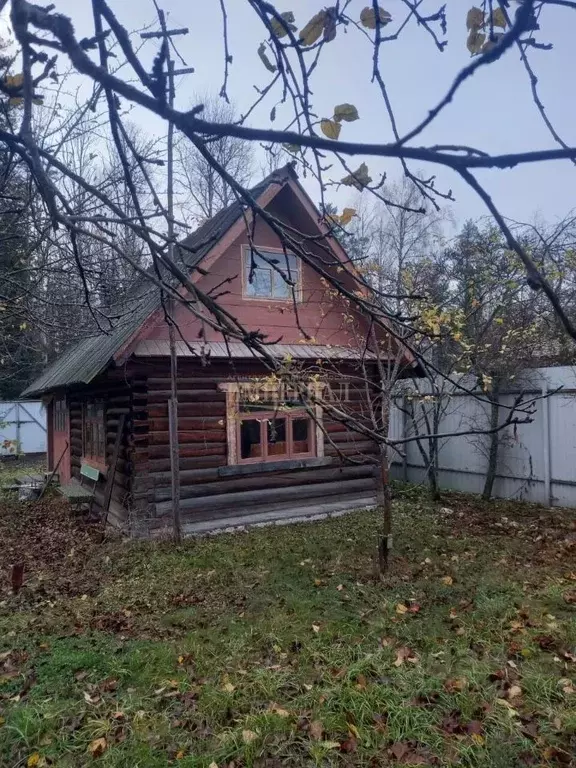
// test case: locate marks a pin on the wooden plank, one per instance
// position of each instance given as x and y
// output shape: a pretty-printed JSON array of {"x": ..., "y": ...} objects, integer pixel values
[
  {"x": 312, "y": 476},
  {"x": 112, "y": 468},
  {"x": 274, "y": 466},
  {"x": 265, "y": 495}
]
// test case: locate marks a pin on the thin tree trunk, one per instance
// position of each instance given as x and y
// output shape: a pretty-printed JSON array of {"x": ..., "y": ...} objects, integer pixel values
[
  {"x": 494, "y": 442},
  {"x": 385, "y": 505}
]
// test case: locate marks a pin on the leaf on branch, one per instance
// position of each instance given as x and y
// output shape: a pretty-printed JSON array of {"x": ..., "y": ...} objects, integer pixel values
[
  {"x": 15, "y": 101},
  {"x": 346, "y": 112},
  {"x": 330, "y": 24},
  {"x": 475, "y": 42},
  {"x": 357, "y": 179},
  {"x": 281, "y": 28},
  {"x": 498, "y": 18},
  {"x": 346, "y": 216},
  {"x": 14, "y": 81},
  {"x": 330, "y": 128},
  {"x": 264, "y": 58},
  {"x": 474, "y": 19},
  {"x": 315, "y": 27},
  {"x": 369, "y": 19},
  {"x": 292, "y": 148}
]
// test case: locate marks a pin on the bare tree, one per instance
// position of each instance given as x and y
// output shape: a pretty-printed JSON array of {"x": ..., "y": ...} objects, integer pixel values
[{"x": 202, "y": 190}]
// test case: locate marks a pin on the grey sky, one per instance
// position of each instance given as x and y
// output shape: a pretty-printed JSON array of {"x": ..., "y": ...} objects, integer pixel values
[{"x": 493, "y": 111}]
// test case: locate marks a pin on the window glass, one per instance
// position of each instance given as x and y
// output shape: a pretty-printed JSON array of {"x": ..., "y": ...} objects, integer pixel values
[
  {"x": 301, "y": 435},
  {"x": 265, "y": 274},
  {"x": 276, "y": 436},
  {"x": 94, "y": 430},
  {"x": 250, "y": 439}
]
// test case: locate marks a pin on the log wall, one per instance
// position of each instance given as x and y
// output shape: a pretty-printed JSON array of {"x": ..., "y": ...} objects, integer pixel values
[
  {"x": 210, "y": 489},
  {"x": 121, "y": 396}
]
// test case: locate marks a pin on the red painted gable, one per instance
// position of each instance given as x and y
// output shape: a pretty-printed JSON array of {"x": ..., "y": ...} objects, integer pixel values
[{"x": 321, "y": 313}]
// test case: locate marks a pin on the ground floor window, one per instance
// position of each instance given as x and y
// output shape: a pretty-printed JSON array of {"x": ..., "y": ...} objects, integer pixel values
[
  {"x": 267, "y": 423},
  {"x": 94, "y": 431},
  {"x": 273, "y": 435},
  {"x": 60, "y": 415}
]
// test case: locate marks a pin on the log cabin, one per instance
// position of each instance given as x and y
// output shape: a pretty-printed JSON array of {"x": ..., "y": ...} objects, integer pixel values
[{"x": 249, "y": 450}]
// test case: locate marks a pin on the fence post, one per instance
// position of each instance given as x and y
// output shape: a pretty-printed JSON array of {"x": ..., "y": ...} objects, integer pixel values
[
  {"x": 546, "y": 445},
  {"x": 18, "y": 444}
]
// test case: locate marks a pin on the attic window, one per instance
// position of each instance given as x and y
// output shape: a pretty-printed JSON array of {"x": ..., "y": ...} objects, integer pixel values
[{"x": 269, "y": 273}]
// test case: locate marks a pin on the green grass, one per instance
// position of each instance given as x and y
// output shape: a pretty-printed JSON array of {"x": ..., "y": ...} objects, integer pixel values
[{"x": 278, "y": 648}]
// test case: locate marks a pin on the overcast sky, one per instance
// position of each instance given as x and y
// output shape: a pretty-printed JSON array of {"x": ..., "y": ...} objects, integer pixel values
[{"x": 494, "y": 111}]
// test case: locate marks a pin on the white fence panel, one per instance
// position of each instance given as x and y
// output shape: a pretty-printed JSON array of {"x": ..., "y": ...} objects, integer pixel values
[
  {"x": 536, "y": 461},
  {"x": 22, "y": 428}
]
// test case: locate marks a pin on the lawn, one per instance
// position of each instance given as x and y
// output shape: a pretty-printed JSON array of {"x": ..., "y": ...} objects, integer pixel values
[{"x": 277, "y": 647}]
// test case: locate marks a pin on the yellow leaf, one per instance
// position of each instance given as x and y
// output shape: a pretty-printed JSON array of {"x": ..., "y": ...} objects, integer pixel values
[
  {"x": 180, "y": 754},
  {"x": 14, "y": 81},
  {"x": 280, "y": 28},
  {"x": 278, "y": 710},
  {"x": 478, "y": 739},
  {"x": 369, "y": 19},
  {"x": 346, "y": 216},
  {"x": 346, "y": 112},
  {"x": 312, "y": 31},
  {"x": 448, "y": 580},
  {"x": 357, "y": 179},
  {"x": 213, "y": 765},
  {"x": 331, "y": 744},
  {"x": 498, "y": 18},
  {"x": 228, "y": 687},
  {"x": 98, "y": 747},
  {"x": 330, "y": 128},
  {"x": 264, "y": 58},
  {"x": 401, "y": 608},
  {"x": 474, "y": 19},
  {"x": 248, "y": 736},
  {"x": 475, "y": 42},
  {"x": 33, "y": 760},
  {"x": 316, "y": 628}
]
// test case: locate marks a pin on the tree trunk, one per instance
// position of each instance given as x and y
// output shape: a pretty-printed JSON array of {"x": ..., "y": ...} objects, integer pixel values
[
  {"x": 494, "y": 442},
  {"x": 384, "y": 498}
]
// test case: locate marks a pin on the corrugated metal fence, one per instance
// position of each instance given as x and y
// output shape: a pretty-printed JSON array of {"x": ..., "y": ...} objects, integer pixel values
[
  {"x": 22, "y": 428},
  {"x": 537, "y": 461}
]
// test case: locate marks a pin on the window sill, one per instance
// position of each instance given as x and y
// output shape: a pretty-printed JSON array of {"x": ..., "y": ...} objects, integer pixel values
[{"x": 274, "y": 466}]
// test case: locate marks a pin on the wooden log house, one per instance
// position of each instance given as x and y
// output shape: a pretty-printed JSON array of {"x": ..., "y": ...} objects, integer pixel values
[{"x": 242, "y": 458}]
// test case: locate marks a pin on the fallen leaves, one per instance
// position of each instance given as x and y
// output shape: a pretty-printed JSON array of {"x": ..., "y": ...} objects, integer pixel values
[
  {"x": 405, "y": 654},
  {"x": 249, "y": 736},
  {"x": 316, "y": 730},
  {"x": 98, "y": 747},
  {"x": 447, "y": 580}
]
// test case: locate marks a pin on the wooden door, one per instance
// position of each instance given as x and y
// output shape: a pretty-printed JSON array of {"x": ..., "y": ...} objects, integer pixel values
[{"x": 61, "y": 439}]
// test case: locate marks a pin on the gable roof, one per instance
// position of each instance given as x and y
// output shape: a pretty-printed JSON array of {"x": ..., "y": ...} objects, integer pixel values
[{"x": 82, "y": 362}]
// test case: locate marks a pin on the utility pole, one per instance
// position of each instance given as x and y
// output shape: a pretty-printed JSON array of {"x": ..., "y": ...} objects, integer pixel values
[{"x": 165, "y": 35}]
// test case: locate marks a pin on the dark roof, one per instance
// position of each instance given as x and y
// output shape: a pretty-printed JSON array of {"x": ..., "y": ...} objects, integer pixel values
[{"x": 87, "y": 358}]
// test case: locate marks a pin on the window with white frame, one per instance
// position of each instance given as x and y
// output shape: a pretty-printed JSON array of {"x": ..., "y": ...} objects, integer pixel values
[{"x": 270, "y": 274}]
